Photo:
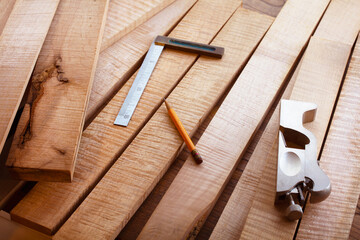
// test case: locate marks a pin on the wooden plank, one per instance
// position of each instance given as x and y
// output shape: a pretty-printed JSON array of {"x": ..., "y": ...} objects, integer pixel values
[
  {"x": 124, "y": 16},
  {"x": 232, "y": 219},
  {"x": 12, "y": 231},
  {"x": 20, "y": 44},
  {"x": 270, "y": 7},
  {"x": 103, "y": 142},
  {"x": 117, "y": 63},
  {"x": 271, "y": 219},
  {"x": 355, "y": 228},
  {"x": 318, "y": 68},
  {"x": 205, "y": 82},
  {"x": 47, "y": 137},
  {"x": 340, "y": 159},
  {"x": 5, "y": 9},
  {"x": 196, "y": 189}
]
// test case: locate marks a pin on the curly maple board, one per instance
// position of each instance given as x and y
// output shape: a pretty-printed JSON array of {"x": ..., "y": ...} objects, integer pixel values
[
  {"x": 20, "y": 44},
  {"x": 103, "y": 142},
  {"x": 137, "y": 174},
  {"x": 196, "y": 188},
  {"x": 263, "y": 215},
  {"x": 47, "y": 137},
  {"x": 340, "y": 159},
  {"x": 117, "y": 63},
  {"x": 5, "y": 10},
  {"x": 233, "y": 218},
  {"x": 269, "y": 7},
  {"x": 124, "y": 15}
]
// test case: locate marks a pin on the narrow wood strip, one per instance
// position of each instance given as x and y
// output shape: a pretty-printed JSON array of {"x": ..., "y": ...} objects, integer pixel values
[
  {"x": 269, "y": 7},
  {"x": 117, "y": 63},
  {"x": 124, "y": 16},
  {"x": 20, "y": 44},
  {"x": 355, "y": 228},
  {"x": 5, "y": 9},
  {"x": 233, "y": 217},
  {"x": 340, "y": 159},
  {"x": 323, "y": 64},
  {"x": 143, "y": 163},
  {"x": 48, "y": 134},
  {"x": 48, "y": 205},
  {"x": 195, "y": 190}
]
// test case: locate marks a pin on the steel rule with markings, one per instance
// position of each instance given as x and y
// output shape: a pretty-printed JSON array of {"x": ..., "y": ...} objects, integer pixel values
[{"x": 148, "y": 65}]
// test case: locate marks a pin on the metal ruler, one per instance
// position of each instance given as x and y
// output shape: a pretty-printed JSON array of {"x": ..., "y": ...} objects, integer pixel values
[{"x": 148, "y": 65}]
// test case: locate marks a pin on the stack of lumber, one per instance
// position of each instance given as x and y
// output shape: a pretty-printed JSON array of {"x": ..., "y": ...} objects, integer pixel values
[{"x": 67, "y": 66}]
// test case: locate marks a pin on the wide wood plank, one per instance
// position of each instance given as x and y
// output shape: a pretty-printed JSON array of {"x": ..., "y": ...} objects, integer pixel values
[
  {"x": 195, "y": 189},
  {"x": 123, "y": 16},
  {"x": 340, "y": 159},
  {"x": 136, "y": 174},
  {"x": 117, "y": 63},
  {"x": 47, "y": 137},
  {"x": 20, "y": 44},
  {"x": 318, "y": 68},
  {"x": 103, "y": 142},
  {"x": 270, "y": 7},
  {"x": 5, "y": 9}
]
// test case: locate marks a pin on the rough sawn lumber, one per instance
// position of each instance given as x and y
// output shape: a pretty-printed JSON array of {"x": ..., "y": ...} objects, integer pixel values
[
  {"x": 48, "y": 134},
  {"x": 20, "y": 44}
]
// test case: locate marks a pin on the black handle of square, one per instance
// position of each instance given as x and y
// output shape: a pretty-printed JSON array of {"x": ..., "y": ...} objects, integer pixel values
[{"x": 188, "y": 46}]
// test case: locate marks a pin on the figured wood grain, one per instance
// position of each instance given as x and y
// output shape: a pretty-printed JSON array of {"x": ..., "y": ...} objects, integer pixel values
[
  {"x": 20, "y": 44},
  {"x": 47, "y": 137},
  {"x": 117, "y": 63},
  {"x": 5, "y": 10},
  {"x": 196, "y": 188},
  {"x": 269, "y": 7},
  {"x": 123, "y": 16},
  {"x": 340, "y": 159},
  {"x": 48, "y": 205},
  {"x": 134, "y": 174},
  {"x": 232, "y": 219},
  {"x": 318, "y": 68},
  {"x": 263, "y": 214}
]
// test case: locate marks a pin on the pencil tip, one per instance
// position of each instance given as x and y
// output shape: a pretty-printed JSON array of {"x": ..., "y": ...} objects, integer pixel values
[{"x": 167, "y": 104}]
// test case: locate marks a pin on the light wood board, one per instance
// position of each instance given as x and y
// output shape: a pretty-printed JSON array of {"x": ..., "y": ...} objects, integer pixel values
[
  {"x": 331, "y": 27},
  {"x": 117, "y": 63},
  {"x": 134, "y": 174},
  {"x": 5, "y": 10},
  {"x": 232, "y": 219},
  {"x": 318, "y": 68},
  {"x": 20, "y": 44},
  {"x": 269, "y": 7},
  {"x": 48, "y": 134},
  {"x": 195, "y": 190},
  {"x": 48, "y": 205},
  {"x": 124, "y": 16},
  {"x": 340, "y": 159}
]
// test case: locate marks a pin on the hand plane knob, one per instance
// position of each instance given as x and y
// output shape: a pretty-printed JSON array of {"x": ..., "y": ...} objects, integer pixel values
[{"x": 293, "y": 211}]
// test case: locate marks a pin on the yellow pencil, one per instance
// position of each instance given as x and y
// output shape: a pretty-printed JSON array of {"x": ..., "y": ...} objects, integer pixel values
[{"x": 183, "y": 133}]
